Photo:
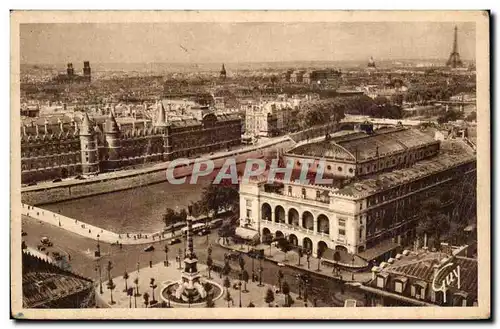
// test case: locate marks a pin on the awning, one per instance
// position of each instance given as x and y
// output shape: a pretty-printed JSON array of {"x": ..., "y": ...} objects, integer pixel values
[
  {"x": 378, "y": 250},
  {"x": 246, "y": 234},
  {"x": 343, "y": 258}
]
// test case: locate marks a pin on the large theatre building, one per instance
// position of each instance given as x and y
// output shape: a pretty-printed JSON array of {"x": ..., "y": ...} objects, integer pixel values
[{"x": 379, "y": 180}]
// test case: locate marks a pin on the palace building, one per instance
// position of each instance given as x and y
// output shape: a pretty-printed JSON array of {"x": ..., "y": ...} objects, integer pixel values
[
  {"x": 90, "y": 146},
  {"x": 379, "y": 179}
]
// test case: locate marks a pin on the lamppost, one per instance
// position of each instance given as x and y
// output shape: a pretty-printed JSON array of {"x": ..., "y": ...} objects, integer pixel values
[
  {"x": 299, "y": 281},
  {"x": 306, "y": 288},
  {"x": 138, "y": 267},
  {"x": 253, "y": 268},
  {"x": 260, "y": 272},
  {"x": 179, "y": 258},
  {"x": 98, "y": 246},
  {"x": 352, "y": 268},
  {"x": 98, "y": 268},
  {"x": 239, "y": 288}
]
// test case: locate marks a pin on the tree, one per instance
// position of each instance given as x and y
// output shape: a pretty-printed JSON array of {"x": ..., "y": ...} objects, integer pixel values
[
  {"x": 111, "y": 287},
  {"x": 245, "y": 277},
  {"x": 285, "y": 246},
  {"x": 472, "y": 116},
  {"x": 280, "y": 276},
  {"x": 210, "y": 301},
  {"x": 109, "y": 268},
  {"x": 153, "y": 286},
  {"x": 269, "y": 298},
  {"x": 229, "y": 298},
  {"x": 227, "y": 268},
  {"x": 210, "y": 263},
  {"x": 165, "y": 249},
  {"x": 125, "y": 277},
  {"x": 450, "y": 115},
  {"x": 169, "y": 217},
  {"x": 226, "y": 283},
  {"x": 251, "y": 304},
  {"x": 241, "y": 262},
  {"x": 219, "y": 196},
  {"x": 146, "y": 299},
  {"x": 286, "y": 292},
  {"x": 300, "y": 253},
  {"x": 136, "y": 282}
]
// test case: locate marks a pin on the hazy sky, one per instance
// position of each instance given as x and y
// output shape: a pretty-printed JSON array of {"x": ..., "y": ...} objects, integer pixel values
[{"x": 241, "y": 42}]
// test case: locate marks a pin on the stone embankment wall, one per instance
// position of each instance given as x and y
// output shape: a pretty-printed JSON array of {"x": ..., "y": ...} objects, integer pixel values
[{"x": 122, "y": 180}]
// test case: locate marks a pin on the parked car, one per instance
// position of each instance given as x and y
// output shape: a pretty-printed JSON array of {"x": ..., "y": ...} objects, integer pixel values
[
  {"x": 281, "y": 265},
  {"x": 204, "y": 232},
  {"x": 32, "y": 184},
  {"x": 174, "y": 241},
  {"x": 149, "y": 248},
  {"x": 46, "y": 242},
  {"x": 23, "y": 233},
  {"x": 80, "y": 177},
  {"x": 57, "y": 180}
]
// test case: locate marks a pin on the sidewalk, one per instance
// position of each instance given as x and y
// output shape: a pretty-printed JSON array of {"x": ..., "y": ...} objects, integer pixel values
[
  {"x": 164, "y": 275},
  {"x": 292, "y": 260},
  {"x": 90, "y": 231}
]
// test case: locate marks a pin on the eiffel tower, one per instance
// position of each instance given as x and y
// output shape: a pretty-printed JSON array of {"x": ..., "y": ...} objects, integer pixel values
[{"x": 454, "y": 61}]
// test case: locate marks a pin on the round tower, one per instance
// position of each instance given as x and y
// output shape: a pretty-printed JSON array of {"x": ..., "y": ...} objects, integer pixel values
[
  {"x": 112, "y": 137},
  {"x": 88, "y": 147}
]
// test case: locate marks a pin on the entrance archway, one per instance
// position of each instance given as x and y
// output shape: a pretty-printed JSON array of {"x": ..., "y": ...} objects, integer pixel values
[
  {"x": 293, "y": 217},
  {"x": 341, "y": 248},
  {"x": 266, "y": 234},
  {"x": 293, "y": 239},
  {"x": 279, "y": 214},
  {"x": 361, "y": 249},
  {"x": 307, "y": 244},
  {"x": 266, "y": 211},
  {"x": 308, "y": 220},
  {"x": 322, "y": 246},
  {"x": 323, "y": 224},
  {"x": 279, "y": 235}
]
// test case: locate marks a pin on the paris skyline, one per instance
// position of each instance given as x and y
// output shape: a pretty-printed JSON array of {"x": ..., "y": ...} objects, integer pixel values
[{"x": 230, "y": 42}]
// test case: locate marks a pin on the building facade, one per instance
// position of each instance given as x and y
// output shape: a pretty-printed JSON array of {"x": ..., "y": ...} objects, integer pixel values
[
  {"x": 378, "y": 182},
  {"x": 268, "y": 119},
  {"x": 88, "y": 146},
  {"x": 417, "y": 278}
]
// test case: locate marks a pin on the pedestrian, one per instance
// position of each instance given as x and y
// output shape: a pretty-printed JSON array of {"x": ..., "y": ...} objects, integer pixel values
[
  {"x": 69, "y": 257},
  {"x": 90, "y": 231},
  {"x": 121, "y": 245}
]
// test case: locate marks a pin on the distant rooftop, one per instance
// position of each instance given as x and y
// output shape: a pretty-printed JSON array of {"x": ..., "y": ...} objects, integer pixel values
[
  {"x": 362, "y": 146},
  {"x": 452, "y": 153}
]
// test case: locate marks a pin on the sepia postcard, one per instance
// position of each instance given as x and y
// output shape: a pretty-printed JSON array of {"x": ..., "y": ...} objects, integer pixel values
[{"x": 250, "y": 165}]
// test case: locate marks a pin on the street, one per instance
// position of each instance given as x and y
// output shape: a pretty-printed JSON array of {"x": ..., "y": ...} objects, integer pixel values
[{"x": 81, "y": 250}]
